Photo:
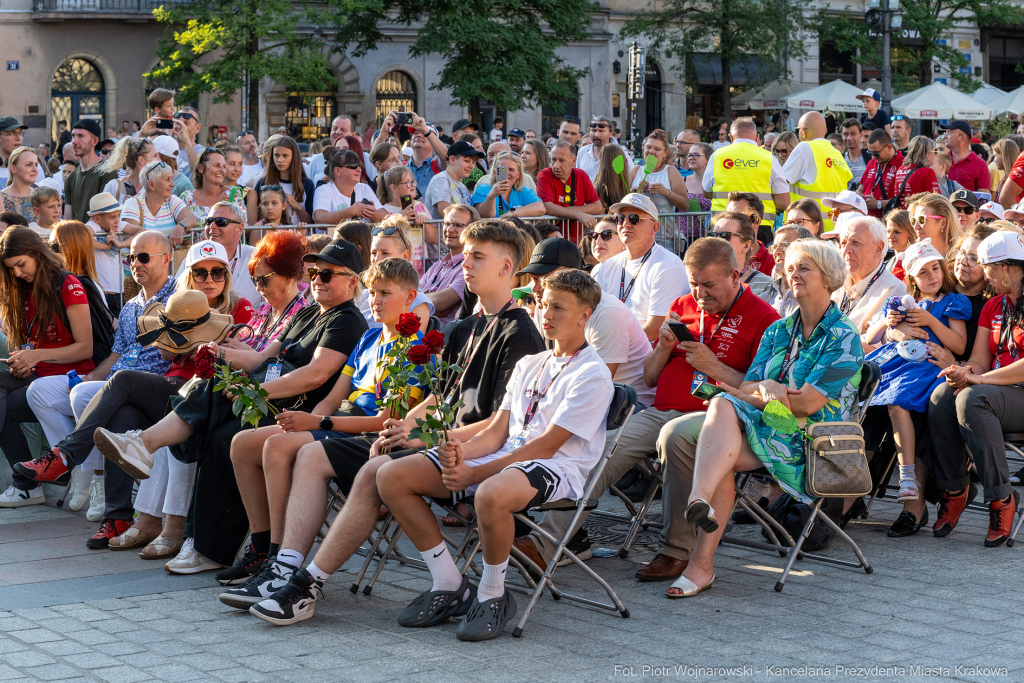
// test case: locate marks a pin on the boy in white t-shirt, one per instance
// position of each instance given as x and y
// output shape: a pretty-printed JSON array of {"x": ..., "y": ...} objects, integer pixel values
[
  {"x": 105, "y": 221},
  {"x": 539, "y": 447},
  {"x": 46, "y": 205}
]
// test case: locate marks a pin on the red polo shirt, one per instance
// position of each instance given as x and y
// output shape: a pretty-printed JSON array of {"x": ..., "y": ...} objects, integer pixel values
[
  {"x": 923, "y": 180},
  {"x": 972, "y": 173},
  {"x": 763, "y": 260},
  {"x": 578, "y": 191},
  {"x": 1017, "y": 176}
]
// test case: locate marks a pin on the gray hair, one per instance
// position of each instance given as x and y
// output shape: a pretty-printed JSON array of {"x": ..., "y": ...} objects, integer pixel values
[
  {"x": 876, "y": 228},
  {"x": 154, "y": 170},
  {"x": 566, "y": 145},
  {"x": 802, "y": 233},
  {"x": 239, "y": 211},
  {"x": 826, "y": 258}
]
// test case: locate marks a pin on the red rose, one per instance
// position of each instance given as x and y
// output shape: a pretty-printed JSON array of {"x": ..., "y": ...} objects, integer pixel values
[
  {"x": 205, "y": 359},
  {"x": 419, "y": 354},
  {"x": 408, "y": 324},
  {"x": 435, "y": 340}
]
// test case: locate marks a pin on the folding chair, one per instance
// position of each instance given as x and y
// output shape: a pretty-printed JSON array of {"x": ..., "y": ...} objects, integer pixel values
[
  {"x": 1013, "y": 443},
  {"x": 636, "y": 513},
  {"x": 871, "y": 374}
]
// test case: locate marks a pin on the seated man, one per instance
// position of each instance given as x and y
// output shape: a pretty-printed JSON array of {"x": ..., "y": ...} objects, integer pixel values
[
  {"x": 726, "y": 321},
  {"x": 263, "y": 458},
  {"x": 539, "y": 447},
  {"x": 487, "y": 346}
]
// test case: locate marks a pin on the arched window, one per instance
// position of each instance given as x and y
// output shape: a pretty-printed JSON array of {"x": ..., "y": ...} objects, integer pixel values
[
  {"x": 652, "y": 97},
  {"x": 77, "y": 92},
  {"x": 308, "y": 115},
  {"x": 396, "y": 91}
]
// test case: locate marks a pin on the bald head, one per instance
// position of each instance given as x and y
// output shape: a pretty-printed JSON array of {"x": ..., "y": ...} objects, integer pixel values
[
  {"x": 812, "y": 126},
  {"x": 151, "y": 241}
]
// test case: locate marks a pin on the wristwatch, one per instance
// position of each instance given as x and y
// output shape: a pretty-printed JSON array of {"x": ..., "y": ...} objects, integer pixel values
[{"x": 326, "y": 423}]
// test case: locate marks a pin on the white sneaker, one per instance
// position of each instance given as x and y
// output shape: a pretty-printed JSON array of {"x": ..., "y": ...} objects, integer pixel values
[
  {"x": 189, "y": 561},
  {"x": 16, "y": 498},
  {"x": 80, "y": 489},
  {"x": 126, "y": 450},
  {"x": 97, "y": 499}
]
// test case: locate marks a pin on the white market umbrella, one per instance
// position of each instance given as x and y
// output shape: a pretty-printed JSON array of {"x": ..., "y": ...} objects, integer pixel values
[
  {"x": 938, "y": 101},
  {"x": 743, "y": 98},
  {"x": 834, "y": 96},
  {"x": 987, "y": 94},
  {"x": 1010, "y": 103},
  {"x": 773, "y": 95}
]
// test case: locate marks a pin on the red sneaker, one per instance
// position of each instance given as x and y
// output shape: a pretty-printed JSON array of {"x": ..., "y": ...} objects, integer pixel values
[
  {"x": 950, "y": 509},
  {"x": 111, "y": 528},
  {"x": 48, "y": 468},
  {"x": 1000, "y": 521}
]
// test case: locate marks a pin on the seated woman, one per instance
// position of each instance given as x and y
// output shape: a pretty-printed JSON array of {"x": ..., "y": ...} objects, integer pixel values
[
  {"x": 397, "y": 189},
  {"x": 316, "y": 343},
  {"x": 263, "y": 458},
  {"x": 785, "y": 304},
  {"x": 807, "y": 362},
  {"x": 391, "y": 240},
  {"x": 507, "y": 197},
  {"x": 982, "y": 398},
  {"x": 807, "y": 214},
  {"x": 344, "y": 196},
  {"x": 45, "y": 313},
  {"x": 275, "y": 268}
]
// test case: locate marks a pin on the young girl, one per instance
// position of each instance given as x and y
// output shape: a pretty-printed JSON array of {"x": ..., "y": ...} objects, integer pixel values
[
  {"x": 940, "y": 313},
  {"x": 391, "y": 240},
  {"x": 273, "y": 204}
]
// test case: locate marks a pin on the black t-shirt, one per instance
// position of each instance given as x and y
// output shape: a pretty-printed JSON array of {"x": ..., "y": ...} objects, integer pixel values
[
  {"x": 339, "y": 329},
  {"x": 483, "y": 381},
  {"x": 880, "y": 119},
  {"x": 978, "y": 302}
]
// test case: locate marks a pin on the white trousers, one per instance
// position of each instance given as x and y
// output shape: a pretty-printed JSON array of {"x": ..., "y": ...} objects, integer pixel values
[
  {"x": 168, "y": 491},
  {"x": 57, "y": 411}
]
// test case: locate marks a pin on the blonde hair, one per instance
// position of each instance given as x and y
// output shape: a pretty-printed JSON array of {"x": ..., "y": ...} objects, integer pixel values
[
  {"x": 670, "y": 149},
  {"x": 396, "y": 220},
  {"x": 517, "y": 160},
  {"x": 936, "y": 204},
  {"x": 225, "y": 302},
  {"x": 16, "y": 154},
  {"x": 825, "y": 257}
]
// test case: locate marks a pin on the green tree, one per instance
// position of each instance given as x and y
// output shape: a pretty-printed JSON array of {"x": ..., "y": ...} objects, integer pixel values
[
  {"x": 211, "y": 45},
  {"x": 730, "y": 29},
  {"x": 931, "y": 20},
  {"x": 500, "y": 50}
]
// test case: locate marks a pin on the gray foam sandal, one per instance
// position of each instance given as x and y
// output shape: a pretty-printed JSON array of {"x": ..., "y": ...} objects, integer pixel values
[
  {"x": 486, "y": 620},
  {"x": 433, "y": 607}
]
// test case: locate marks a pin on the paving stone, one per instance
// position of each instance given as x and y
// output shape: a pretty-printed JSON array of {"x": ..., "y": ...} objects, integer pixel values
[
  {"x": 52, "y": 672},
  {"x": 36, "y": 635}
]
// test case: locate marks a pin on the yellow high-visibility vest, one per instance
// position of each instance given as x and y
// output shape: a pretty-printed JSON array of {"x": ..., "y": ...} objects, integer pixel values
[
  {"x": 743, "y": 168},
  {"x": 831, "y": 177}
]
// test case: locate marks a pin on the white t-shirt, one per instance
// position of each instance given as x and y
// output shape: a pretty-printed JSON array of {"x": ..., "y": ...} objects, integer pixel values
[
  {"x": 661, "y": 281},
  {"x": 329, "y": 198},
  {"x": 250, "y": 172},
  {"x": 496, "y": 135},
  {"x": 585, "y": 160},
  {"x": 108, "y": 262},
  {"x": 317, "y": 167},
  {"x": 617, "y": 337}
]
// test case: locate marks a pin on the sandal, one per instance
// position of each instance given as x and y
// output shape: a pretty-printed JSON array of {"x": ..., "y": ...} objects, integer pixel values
[
  {"x": 164, "y": 548},
  {"x": 908, "y": 491},
  {"x": 433, "y": 607},
  {"x": 130, "y": 539},
  {"x": 700, "y": 513},
  {"x": 452, "y": 520},
  {"x": 688, "y": 588}
]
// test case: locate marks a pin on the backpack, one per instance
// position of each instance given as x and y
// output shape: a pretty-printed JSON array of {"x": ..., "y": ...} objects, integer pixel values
[
  {"x": 793, "y": 515},
  {"x": 102, "y": 321}
]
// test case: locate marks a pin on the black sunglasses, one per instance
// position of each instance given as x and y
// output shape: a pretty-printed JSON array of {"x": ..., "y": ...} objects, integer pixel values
[
  {"x": 384, "y": 231},
  {"x": 604, "y": 235},
  {"x": 218, "y": 274},
  {"x": 55, "y": 246},
  {"x": 725, "y": 235},
  {"x": 325, "y": 274},
  {"x": 622, "y": 218},
  {"x": 968, "y": 210},
  {"x": 184, "y": 115},
  {"x": 221, "y": 222},
  {"x": 142, "y": 257},
  {"x": 878, "y": 154},
  {"x": 351, "y": 166},
  {"x": 104, "y": 152},
  {"x": 263, "y": 280},
  {"x": 275, "y": 188}
]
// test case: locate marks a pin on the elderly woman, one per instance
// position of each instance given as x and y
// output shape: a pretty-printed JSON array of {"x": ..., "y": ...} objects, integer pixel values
[
  {"x": 785, "y": 304},
  {"x": 983, "y": 398},
  {"x": 132, "y": 155},
  {"x": 807, "y": 214},
  {"x": 506, "y": 197},
  {"x": 739, "y": 231},
  {"x": 157, "y": 208},
  {"x": 808, "y": 363},
  {"x": 934, "y": 217}
]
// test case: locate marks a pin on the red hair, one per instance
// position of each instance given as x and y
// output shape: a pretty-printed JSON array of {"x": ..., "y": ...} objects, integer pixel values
[
  {"x": 282, "y": 250},
  {"x": 356, "y": 145}
]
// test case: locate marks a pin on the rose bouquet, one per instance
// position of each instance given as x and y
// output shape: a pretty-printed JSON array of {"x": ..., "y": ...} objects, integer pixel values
[
  {"x": 251, "y": 402},
  {"x": 433, "y": 429}
]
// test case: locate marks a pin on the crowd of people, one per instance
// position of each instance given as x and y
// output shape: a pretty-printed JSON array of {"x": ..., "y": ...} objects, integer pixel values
[{"x": 818, "y": 255}]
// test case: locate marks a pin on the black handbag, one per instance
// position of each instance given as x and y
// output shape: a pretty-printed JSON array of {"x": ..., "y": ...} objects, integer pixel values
[{"x": 260, "y": 375}]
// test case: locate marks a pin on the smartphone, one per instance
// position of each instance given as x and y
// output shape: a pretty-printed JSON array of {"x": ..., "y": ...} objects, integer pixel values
[
  {"x": 682, "y": 332},
  {"x": 502, "y": 174},
  {"x": 403, "y": 118},
  {"x": 706, "y": 391},
  {"x": 406, "y": 201},
  {"x": 165, "y": 124}
]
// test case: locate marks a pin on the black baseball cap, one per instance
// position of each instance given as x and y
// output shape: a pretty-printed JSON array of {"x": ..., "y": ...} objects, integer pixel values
[
  {"x": 964, "y": 195},
  {"x": 962, "y": 126},
  {"x": 552, "y": 253},
  {"x": 341, "y": 253},
  {"x": 517, "y": 132},
  {"x": 464, "y": 149},
  {"x": 465, "y": 123},
  {"x": 89, "y": 125},
  {"x": 9, "y": 123}
]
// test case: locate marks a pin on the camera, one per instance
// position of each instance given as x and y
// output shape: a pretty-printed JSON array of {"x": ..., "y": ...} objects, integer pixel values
[
  {"x": 403, "y": 118},
  {"x": 165, "y": 124}
]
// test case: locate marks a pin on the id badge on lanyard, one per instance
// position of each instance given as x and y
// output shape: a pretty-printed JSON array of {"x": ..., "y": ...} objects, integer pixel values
[
  {"x": 131, "y": 357},
  {"x": 273, "y": 372}
]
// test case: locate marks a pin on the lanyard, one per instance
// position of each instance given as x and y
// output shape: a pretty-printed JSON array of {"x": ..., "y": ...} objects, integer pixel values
[
  {"x": 472, "y": 349},
  {"x": 790, "y": 358},
  {"x": 1006, "y": 340},
  {"x": 623, "y": 290},
  {"x": 848, "y": 303},
  {"x": 442, "y": 272},
  {"x": 266, "y": 321},
  {"x": 537, "y": 396},
  {"x": 720, "y": 320}
]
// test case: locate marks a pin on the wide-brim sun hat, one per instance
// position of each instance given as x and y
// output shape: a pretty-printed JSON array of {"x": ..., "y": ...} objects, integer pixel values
[{"x": 185, "y": 324}]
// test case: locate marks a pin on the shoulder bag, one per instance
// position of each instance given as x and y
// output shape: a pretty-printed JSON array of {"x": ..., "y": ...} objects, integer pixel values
[{"x": 837, "y": 465}]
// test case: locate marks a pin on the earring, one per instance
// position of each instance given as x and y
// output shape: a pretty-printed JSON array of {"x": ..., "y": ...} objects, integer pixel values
[{"x": 1006, "y": 282}]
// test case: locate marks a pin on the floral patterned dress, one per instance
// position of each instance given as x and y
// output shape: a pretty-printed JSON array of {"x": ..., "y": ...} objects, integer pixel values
[{"x": 201, "y": 212}]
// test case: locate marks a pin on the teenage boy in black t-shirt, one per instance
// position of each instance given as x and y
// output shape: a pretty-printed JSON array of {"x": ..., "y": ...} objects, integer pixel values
[{"x": 486, "y": 345}]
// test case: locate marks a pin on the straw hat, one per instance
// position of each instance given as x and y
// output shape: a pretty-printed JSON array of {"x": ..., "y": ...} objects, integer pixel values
[{"x": 184, "y": 325}]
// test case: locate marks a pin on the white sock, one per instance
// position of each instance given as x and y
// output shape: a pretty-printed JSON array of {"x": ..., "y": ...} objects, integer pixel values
[
  {"x": 292, "y": 558},
  {"x": 317, "y": 573},
  {"x": 97, "y": 476},
  {"x": 492, "y": 584},
  {"x": 442, "y": 568},
  {"x": 908, "y": 472}
]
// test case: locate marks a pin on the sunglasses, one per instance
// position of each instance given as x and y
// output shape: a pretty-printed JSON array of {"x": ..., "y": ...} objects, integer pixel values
[
  {"x": 967, "y": 210},
  {"x": 878, "y": 154},
  {"x": 622, "y": 218},
  {"x": 275, "y": 188},
  {"x": 221, "y": 222},
  {"x": 898, "y": 117},
  {"x": 921, "y": 220},
  {"x": 325, "y": 274},
  {"x": 104, "y": 152},
  {"x": 780, "y": 152},
  {"x": 351, "y": 166},
  {"x": 55, "y": 246},
  {"x": 262, "y": 280},
  {"x": 387, "y": 232},
  {"x": 143, "y": 257},
  {"x": 242, "y": 135},
  {"x": 604, "y": 235},
  {"x": 184, "y": 115},
  {"x": 724, "y": 234},
  {"x": 598, "y": 126},
  {"x": 218, "y": 274}
]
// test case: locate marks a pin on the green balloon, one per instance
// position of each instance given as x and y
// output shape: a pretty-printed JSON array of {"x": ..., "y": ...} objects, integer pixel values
[
  {"x": 619, "y": 164},
  {"x": 650, "y": 163}
]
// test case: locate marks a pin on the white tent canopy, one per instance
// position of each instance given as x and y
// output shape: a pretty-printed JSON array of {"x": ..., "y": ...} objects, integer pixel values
[
  {"x": 1010, "y": 103},
  {"x": 834, "y": 95},
  {"x": 987, "y": 94},
  {"x": 938, "y": 101},
  {"x": 772, "y": 95}
]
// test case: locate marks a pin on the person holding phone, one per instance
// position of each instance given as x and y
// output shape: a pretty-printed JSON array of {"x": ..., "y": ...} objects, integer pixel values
[
  {"x": 507, "y": 196},
  {"x": 399, "y": 184},
  {"x": 344, "y": 197}
]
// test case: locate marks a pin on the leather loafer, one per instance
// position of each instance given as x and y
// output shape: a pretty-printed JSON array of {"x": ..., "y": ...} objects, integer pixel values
[
  {"x": 526, "y": 546},
  {"x": 662, "y": 568}
]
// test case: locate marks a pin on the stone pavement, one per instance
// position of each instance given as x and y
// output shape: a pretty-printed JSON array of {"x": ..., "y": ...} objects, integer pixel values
[{"x": 71, "y": 614}]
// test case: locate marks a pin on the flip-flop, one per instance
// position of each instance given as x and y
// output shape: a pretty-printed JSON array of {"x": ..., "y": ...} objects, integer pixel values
[
  {"x": 688, "y": 587},
  {"x": 131, "y": 539},
  {"x": 166, "y": 547},
  {"x": 433, "y": 607}
]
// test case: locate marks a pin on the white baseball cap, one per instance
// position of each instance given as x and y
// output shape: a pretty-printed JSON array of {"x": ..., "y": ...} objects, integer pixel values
[
  {"x": 918, "y": 254},
  {"x": 870, "y": 92},
  {"x": 848, "y": 197},
  {"x": 205, "y": 250},
  {"x": 166, "y": 145},
  {"x": 635, "y": 200},
  {"x": 1015, "y": 212},
  {"x": 1002, "y": 246},
  {"x": 993, "y": 209}
]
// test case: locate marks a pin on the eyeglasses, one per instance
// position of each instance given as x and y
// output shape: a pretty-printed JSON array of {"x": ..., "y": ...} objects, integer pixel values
[
  {"x": 325, "y": 274},
  {"x": 694, "y": 155},
  {"x": 387, "y": 232},
  {"x": 221, "y": 222},
  {"x": 218, "y": 274},
  {"x": 452, "y": 224},
  {"x": 143, "y": 257},
  {"x": 966, "y": 257},
  {"x": 407, "y": 183},
  {"x": 263, "y": 280},
  {"x": 604, "y": 235},
  {"x": 185, "y": 115},
  {"x": 780, "y": 152},
  {"x": 632, "y": 218},
  {"x": 966, "y": 210},
  {"x": 780, "y": 246},
  {"x": 724, "y": 234},
  {"x": 800, "y": 221},
  {"x": 55, "y": 246},
  {"x": 920, "y": 220}
]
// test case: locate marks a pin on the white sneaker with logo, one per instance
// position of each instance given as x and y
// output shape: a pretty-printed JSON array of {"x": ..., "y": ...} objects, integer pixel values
[
  {"x": 81, "y": 484},
  {"x": 189, "y": 561},
  {"x": 272, "y": 578},
  {"x": 127, "y": 450},
  {"x": 16, "y": 498}
]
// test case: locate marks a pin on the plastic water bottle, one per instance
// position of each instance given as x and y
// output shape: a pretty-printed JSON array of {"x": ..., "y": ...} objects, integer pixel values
[{"x": 73, "y": 379}]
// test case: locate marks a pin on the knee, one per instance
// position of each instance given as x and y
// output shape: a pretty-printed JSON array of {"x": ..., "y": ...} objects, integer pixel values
[
  {"x": 277, "y": 452},
  {"x": 366, "y": 478},
  {"x": 240, "y": 447},
  {"x": 494, "y": 498},
  {"x": 972, "y": 400}
]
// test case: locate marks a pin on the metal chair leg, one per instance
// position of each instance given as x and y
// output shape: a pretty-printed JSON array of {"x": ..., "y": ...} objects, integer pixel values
[{"x": 800, "y": 541}]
